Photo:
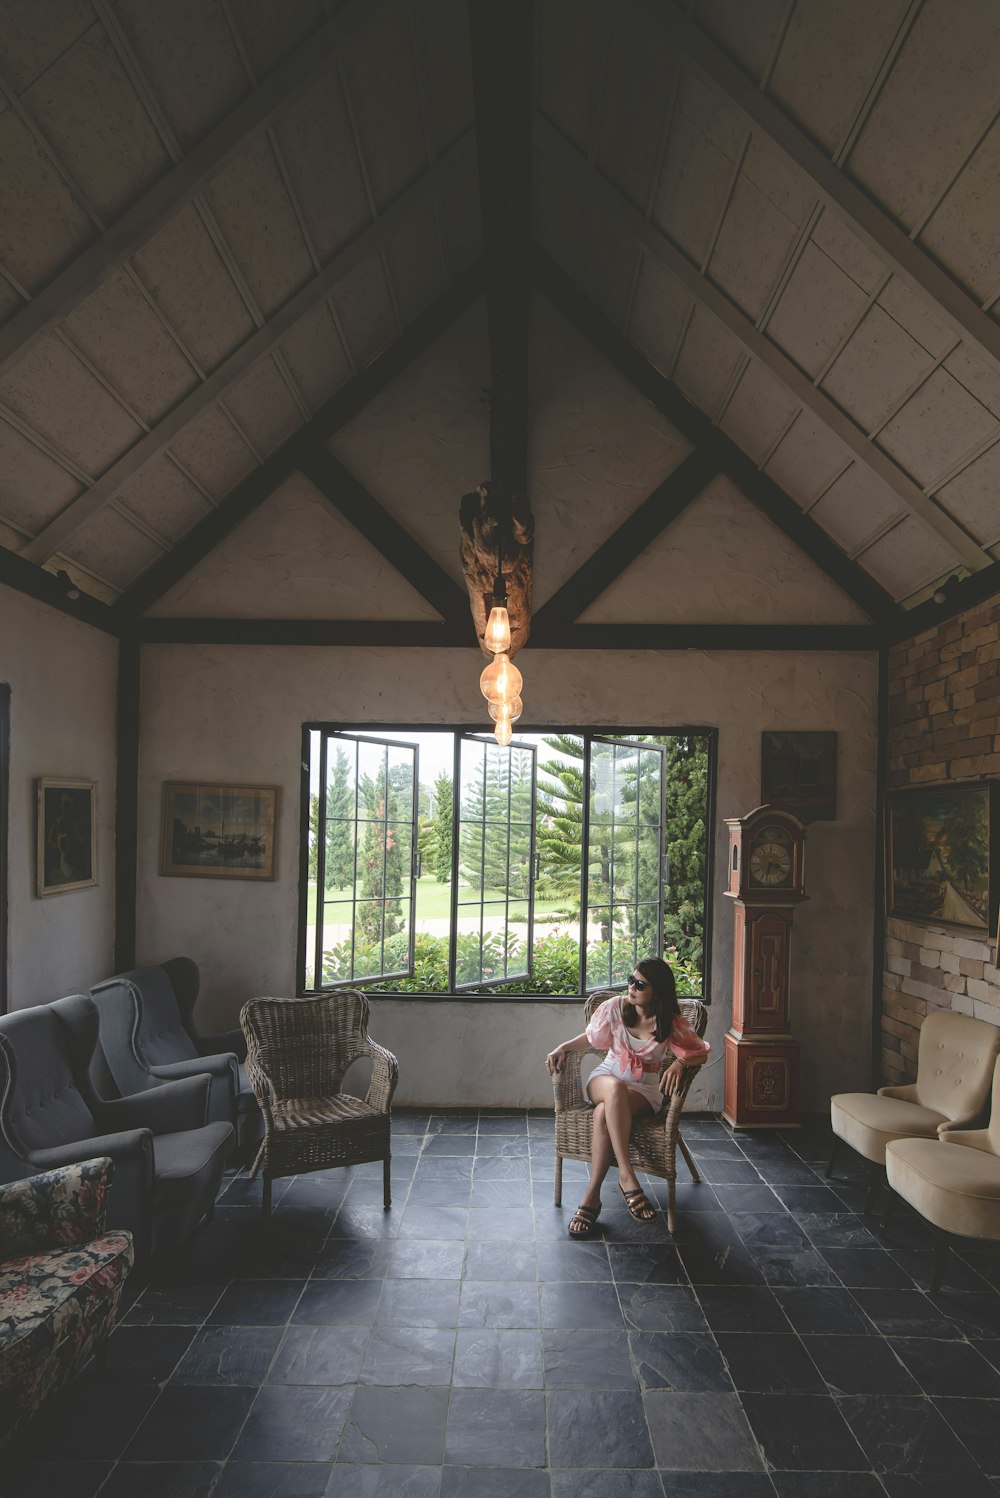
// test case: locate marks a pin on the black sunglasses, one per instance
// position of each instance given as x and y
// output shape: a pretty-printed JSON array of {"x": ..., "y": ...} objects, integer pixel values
[{"x": 639, "y": 983}]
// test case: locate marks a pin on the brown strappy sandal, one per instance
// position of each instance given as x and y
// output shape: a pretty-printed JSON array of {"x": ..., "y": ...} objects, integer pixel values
[
  {"x": 583, "y": 1222},
  {"x": 638, "y": 1203}
]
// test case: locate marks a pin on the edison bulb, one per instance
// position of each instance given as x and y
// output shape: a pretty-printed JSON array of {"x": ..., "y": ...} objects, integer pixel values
[
  {"x": 502, "y": 732},
  {"x": 501, "y": 681},
  {"x": 511, "y": 710},
  {"x": 497, "y": 633}
]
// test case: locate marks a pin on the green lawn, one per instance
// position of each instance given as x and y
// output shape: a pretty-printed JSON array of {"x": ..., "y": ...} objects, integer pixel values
[{"x": 433, "y": 899}]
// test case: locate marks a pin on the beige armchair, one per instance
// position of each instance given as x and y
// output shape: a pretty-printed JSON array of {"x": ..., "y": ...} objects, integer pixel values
[
  {"x": 955, "y": 1060},
  {"x": 952, "y": 1181}
]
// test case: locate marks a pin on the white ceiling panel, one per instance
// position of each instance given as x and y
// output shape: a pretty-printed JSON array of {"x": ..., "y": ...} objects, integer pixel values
[
  {"x": 876, "y": 369},
  {"x": 213, "y": 451},
  {"x": 754, "y": 243},
  {"x": 936, "y": 428},
  {"x": 705, "y": 143},
  {"x": 918, "y": 317},
  {"x": 722, "y": 562},
  {"x": 269, "y": 32},
  {"x": 424, "y": 442},
  {"x": 596, "y": 450},
  {"x": 758, "y": 412},
  {"x": 855, "y": 508},
  {"x": 609, "y": 267},
  {"x": 28, "y": 48},
  {"x": 166, "y": 500},
  {"x": 90, "y": 112},
  {"x": 659, "y": 314},
  {"x": 181, "y": 269},
  {"x": 188, "y": 56},
  {"x": 58, "y": 398},
  {"x": 113, "y": 548},
  {"x": 845, "y": 249},
  {"x": 964, "y": 233},
  {"x": 314, "y": 135},
  {"x": 414, "y": 258},
  {"x": 978, "y": 378},
  {"x": 939, "y": 97},
  {"x": 973, "y": 497},
  {"x": 817, "y": 307},
  {"x": 118, "y": 332},
  {"x": 828, "y": 59},
  {"x": 41, "y": 224},
  {"x": 315, "y": 355},
  {"x": 295, "y": 557},
  {"x": 381, "y": 81},
  {"x": 907, "y": 558},
  {"x": 707, "y": 360},
  {"x": 807, "y": 459},
  {"x": 365, "y": 311},
  {"x": 263, "y": 405},
  {"x": 746, "y": 32},
  {"x": 33, "y": 489},
  {"x": 443, "y": 41},
  {"x": 256, "y": 216},
  {"x": 640, "y": 65},
  {"x": 570, "y": 42}
]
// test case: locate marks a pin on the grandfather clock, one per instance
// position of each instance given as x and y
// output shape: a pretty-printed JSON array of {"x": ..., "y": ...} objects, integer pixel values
[{"x": 766, "y": 877}]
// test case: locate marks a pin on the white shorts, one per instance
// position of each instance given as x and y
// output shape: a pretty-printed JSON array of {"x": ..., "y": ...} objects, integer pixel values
[{"x": 649, "y": 1090}]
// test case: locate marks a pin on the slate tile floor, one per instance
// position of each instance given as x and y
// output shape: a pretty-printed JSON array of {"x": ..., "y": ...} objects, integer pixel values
[{"x": 460, "y": 1346}]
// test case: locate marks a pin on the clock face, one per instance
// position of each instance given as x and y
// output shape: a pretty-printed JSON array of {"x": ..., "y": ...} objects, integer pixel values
[{"x": 771, "y": 858}]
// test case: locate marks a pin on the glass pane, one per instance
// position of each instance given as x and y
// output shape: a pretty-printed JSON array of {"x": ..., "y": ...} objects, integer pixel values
[
  {"x": 625, "y": 784},
  {"x": 495, "y": 879},
  {"x": 648, "y": 885},
  {"x": 651, "y": 763},
  {"x": 473, "y": 768},
  {"x": 519, "y": 875},
  {"x": 371, "y": 861},
  {"x": 601, "y": 785},
  {"x": 598, "y": 974}
]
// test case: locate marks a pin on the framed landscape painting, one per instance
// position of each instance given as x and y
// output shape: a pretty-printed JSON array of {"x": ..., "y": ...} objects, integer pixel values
[
  {"x": 798, "y": 772},
  {"x": 218, "y": 831},
  {"x": 67, "y": 836},
  {"x": 943, "y": 856}
]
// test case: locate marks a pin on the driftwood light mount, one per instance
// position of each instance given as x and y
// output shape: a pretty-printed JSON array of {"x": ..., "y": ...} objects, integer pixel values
[{"x": 498, "y": 535}]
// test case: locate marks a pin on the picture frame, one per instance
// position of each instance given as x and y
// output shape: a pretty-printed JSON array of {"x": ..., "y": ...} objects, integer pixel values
[
  {"x": 798, "y": 772},
  {"x": 943, "y": 856},
  {"x": 66, "y": 833},
  {"x": 218, "y": 831}
]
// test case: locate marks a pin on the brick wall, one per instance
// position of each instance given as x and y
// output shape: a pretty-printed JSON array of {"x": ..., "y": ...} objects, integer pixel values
[{"x": 944, "y": 726}]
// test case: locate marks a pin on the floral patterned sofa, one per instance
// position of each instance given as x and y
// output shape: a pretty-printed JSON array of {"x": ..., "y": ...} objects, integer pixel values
[{"x": 61, "y": 1278}]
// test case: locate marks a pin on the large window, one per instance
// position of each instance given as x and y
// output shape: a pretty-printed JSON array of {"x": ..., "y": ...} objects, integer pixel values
[{"x": 438, "y": 862}]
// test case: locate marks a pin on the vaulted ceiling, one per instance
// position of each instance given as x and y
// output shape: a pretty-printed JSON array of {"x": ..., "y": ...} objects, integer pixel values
[{"x": 278, "y": 283}]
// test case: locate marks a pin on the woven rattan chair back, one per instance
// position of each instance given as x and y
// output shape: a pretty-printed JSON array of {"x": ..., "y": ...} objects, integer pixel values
[
  {"x": 298, "y": 1052},
  {"x": 655, "y": 1138}
]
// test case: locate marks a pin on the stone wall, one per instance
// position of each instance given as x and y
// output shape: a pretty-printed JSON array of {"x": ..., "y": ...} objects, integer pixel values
[{"x": 944, "y": 727}]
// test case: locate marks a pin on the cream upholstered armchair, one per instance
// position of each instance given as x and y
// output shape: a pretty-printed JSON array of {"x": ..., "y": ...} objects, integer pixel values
[
  {"x": 953, "y": 1181},
  {"x": 654, "y": 1141},
  {"x": 955, "y": 1060}
]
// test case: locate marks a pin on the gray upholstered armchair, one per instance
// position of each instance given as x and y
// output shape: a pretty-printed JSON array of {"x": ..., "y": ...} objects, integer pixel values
[
  {"x": 148, "y": 1036},
  {"x": 168, "y": 1159}
]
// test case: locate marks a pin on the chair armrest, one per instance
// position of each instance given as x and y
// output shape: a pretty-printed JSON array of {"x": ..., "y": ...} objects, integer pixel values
[
  {"x": 125, "y": 1146},
  {"x": 567, "y": 1084},
  {"x": 166, "y": 1109},
  {"x": 907, "y": 1094},
  {"x": 56, "y": 1209},
  {"x": 221, "y": 1064},
  {"x": 227, "y": 1040},
  {"x": 977, "y": 1139},
  {"x": 385, "y": 1075}
]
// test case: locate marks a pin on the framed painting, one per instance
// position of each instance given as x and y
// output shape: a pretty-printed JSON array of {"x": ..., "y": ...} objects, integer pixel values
[
  {"x": 67, "y": 836},
  {"x": 218, "y": 831},
  {"x": 942, "y": 855},
  {"x": 798, "y": 772}
]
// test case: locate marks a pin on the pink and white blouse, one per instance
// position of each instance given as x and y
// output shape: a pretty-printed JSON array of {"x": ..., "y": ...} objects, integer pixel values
[{"x": 638, "y": 1057}]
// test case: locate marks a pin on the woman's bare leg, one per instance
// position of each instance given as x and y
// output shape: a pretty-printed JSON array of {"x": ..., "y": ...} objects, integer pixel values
[
  {"x": 620, "y": 1107},
  {"x": 601, "y": 1155}
]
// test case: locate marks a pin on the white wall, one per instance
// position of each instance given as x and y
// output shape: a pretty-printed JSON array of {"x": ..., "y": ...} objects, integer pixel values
[
  {"x": 235, "y": 713},
  {"x": 62, "y": 677}
]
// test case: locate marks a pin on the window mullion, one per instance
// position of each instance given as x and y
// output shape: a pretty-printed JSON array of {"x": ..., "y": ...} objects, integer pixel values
[{"x": 320, "y": 863}]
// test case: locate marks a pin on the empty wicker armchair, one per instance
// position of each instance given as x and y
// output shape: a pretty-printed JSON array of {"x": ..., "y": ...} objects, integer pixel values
[
  {"x": 298, "y": 1051},
  {"x": 654, "y": 1140}
]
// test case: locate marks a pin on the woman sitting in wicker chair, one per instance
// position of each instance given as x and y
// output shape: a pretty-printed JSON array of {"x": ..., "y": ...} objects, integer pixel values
[{"x": 639, "y": 1029}]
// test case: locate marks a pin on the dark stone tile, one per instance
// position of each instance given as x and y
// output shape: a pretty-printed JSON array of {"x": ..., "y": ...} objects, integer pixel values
[
  {"x": 191, "y": 1424},
  {"x": 501, "y": 1147},
  {"x": 453, "y": 1193},
  {"x": 809, "y": 1199},
  {"x": 905, "y": 1313},
  {"x": 661, "y": 1308},
  {"x": 867, "y": 1268},
  {"x": 622, "y": 1227},
  {"x": 905, "y": 1435},
  {"x": 860, "y": 1365},
  {"x": 408, "y": 1355},
  {"x": 722, "y": 1264},
  {"x": 978, "y": 1316},
  {"x": 911, "y": 1486},
  {"x": 706, "y": 1231},
  {"x": 161, "y": 1480},
  {"x": 758, "y": 1198},
  {"x": 727, "y": 1170},
  {"x": 322, "y": 1355},
  {"x": 493, "y": 1482},
  {"x": 440, "y": 1145},
  {"x": 502, "y": 1225},
  {"x": 55, "y": 1479},
  {"x": 293, "y": 1424},
  {"x": 769, "y": 1229},
  {"x": 256, "y": 1303},
  {"x": 837, "y": 1230},
  {"x": 793, "y": 1266},
  {"x": 831, "y": 1312},
  {"x": 952, "y": 1368},
  {"x": 991, "y": 1351},
  {"x": 719, "y": 1485},
  {"x": 503, "y": 1123},
  {"x": 586, "y": 1305},
  {"x": 586, "y": 1359},
  {"x": 700, "y": 1433},
  {"x": 786, "y": 1170},
  {"x": 741, "y": 1308},
  {"x": 419, "y": 1303},
  {"x": 827, "y": 1485},
  {"x": 363, "y": 1223},
  {"x": 229, "y": 1355},
  {"x": 769, "y": 1363},
  {"x": 690, "y": 1196},
  {"x": 502, "y": 1304},
  {"x": 339, "y": 1303},
  {"x": 918, "y": 1263},
  {"x": 490, "y": 1359},
  {"x": 805, "y": 1432},
  {"x": 688, "y": 1363},
  {"x": 502, "y": 1193},
  {"x": 466, "y": 1122},
  {"x": 278, "y": 1252},
  {"x": 976, "y": 1422},
  {"x": 573, "y": 1261},
  {"x": 443, "y": 1168},
  {"x": 494, "y": 1427},
  {"x": 345, "y": 1259},
  {"x": 500, "y": 1261},
  {"x": 434, "y": 1222},
  {"x": 146, "y": 1354},
  {"x": 597, "y": 1427},
  {"x": 639, "y": 1264},
  {"x": 350, "y": 1481},
  {"x": 174, "y": 1305},
  {"x": 404, "y": 1425},
  {"x": 425, "y": 1259}
]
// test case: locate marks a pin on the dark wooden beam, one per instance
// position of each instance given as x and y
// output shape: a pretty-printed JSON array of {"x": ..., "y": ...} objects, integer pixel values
[
  {"x": 758, "y": 487},
  {"x": 25, "y": 577},
  {"x": 335, "y": 413},
  {"x": 713, "y": 637},
  {"x": 964, "y": 593},
  {"x": 631, "y": 538},
  {"x": 127, "y": 803},
  {"x": 396, "y": 633},
  {"x": 385, "y": 533}
]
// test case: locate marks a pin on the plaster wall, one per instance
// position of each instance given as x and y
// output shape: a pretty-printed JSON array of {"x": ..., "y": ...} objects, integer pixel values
[
  {"x": 236, "y": 712},
  {"x": 62, "y": 677}
]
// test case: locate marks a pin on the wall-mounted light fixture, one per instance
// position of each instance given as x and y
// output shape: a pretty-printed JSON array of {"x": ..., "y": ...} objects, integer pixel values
[
  {"x": 69, "y": 587},
  {"x": 945, "y": 590}
]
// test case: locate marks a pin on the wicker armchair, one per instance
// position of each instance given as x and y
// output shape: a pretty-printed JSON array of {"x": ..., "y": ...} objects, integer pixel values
[
  {"x": 298, "y": 1051},
  {"x": 655, "y": 1140}
]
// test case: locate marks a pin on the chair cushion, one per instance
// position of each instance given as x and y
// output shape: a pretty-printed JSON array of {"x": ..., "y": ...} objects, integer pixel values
[
  {"x": 868, "y": 1122},
  {"x": 309, "y": 1112},
  {"x": 183, "y": 1162},
  {"x": 953, "y": 1185}
]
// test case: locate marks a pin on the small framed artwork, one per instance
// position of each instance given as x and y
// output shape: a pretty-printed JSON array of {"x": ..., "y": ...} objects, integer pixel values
[
  {"x": 218, "y": 831},
  {"x": 942, "y": 859},
  {"x": 67, "y": 836},
  {"x": 798, "y": 772}
]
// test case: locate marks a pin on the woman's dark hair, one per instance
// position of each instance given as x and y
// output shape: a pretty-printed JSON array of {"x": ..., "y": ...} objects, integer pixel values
[{"x": 665, "y": 1005}]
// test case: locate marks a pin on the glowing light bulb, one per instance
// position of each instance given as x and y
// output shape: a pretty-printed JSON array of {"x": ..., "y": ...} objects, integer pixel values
[
  {"x": 501, "y": 681},
  {"x": 502, "y": 732},
  {"x": 497, "y": 634},
  {"x": 511, "y": 710}
]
